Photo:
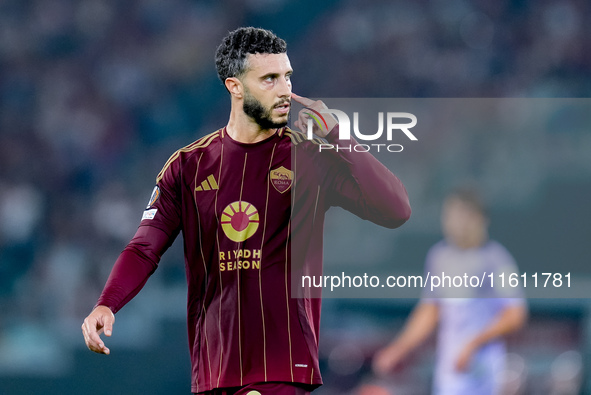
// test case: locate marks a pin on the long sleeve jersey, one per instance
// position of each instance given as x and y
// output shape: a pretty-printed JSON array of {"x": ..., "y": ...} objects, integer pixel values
[{"x": 252, "y": 220}]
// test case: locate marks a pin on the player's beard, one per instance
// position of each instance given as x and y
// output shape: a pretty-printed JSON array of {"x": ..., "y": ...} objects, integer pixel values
[{"x": 261, "y": 115}]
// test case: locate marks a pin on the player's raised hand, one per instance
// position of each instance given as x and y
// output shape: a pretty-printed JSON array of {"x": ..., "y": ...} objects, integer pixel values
[
  {"x": 312, "y": 109},
  {"x": 100, "y": 320}
]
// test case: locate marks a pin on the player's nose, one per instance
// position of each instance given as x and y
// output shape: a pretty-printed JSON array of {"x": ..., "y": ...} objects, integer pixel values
[{"x": 284, "y": 88}]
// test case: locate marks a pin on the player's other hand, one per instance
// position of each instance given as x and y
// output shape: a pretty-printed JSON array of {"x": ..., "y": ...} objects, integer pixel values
[
  {"x": 307, "y": 113},
  {"x": 387, "y": 360},
  {"x": 100, "y": 320},
  {"x": 465, "y": 357}
]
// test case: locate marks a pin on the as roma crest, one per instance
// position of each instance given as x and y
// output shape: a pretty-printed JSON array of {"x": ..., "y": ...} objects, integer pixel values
[{"x": 281, "y": 178}]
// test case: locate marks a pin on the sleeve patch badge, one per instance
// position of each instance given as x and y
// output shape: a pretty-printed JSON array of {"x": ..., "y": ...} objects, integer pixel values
[
  {"x": 154, "y": 197},
  {"x": 149, "y": 214}
]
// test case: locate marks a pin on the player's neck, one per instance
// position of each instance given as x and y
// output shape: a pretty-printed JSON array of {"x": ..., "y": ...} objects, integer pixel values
[{"x": 243, "y": 129}]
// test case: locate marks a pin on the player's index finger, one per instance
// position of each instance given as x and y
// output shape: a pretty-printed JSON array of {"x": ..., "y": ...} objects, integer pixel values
[{"x": 302, "y": 100}]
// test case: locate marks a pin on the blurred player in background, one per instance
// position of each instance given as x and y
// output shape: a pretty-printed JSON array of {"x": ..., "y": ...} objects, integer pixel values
[
  {"x": 471, "y": 321},
  {"x": 243, "y": 196}
]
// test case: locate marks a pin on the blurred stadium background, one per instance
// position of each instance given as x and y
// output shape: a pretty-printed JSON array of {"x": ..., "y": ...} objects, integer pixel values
[{"x": 96, "y": 94}]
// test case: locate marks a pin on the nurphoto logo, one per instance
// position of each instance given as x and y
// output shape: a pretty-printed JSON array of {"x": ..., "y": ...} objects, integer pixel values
[{"x": 393, "y": 124}]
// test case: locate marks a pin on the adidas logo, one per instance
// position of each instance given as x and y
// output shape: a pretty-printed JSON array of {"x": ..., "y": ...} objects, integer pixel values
[{"x": 208, "y": 184}]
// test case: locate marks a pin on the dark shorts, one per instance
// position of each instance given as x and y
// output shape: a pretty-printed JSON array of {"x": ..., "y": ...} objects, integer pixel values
[{"x": 264, "y": 389}]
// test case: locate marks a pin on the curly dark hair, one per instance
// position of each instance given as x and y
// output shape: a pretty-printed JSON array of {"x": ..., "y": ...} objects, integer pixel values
[{"x": 230, "y": 57}]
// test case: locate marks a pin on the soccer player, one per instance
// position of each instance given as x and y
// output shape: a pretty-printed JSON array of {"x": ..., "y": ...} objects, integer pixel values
[
  {"x": 250, "y": 200},
  {"x": 471, "y": 321}
]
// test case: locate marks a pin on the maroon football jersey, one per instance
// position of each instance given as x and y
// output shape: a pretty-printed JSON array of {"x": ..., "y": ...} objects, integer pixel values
[{"x": 252, "y": 218}]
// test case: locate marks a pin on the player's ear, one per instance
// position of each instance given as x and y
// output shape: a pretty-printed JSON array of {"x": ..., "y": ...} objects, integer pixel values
[{"x": 234, "y": 86}]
